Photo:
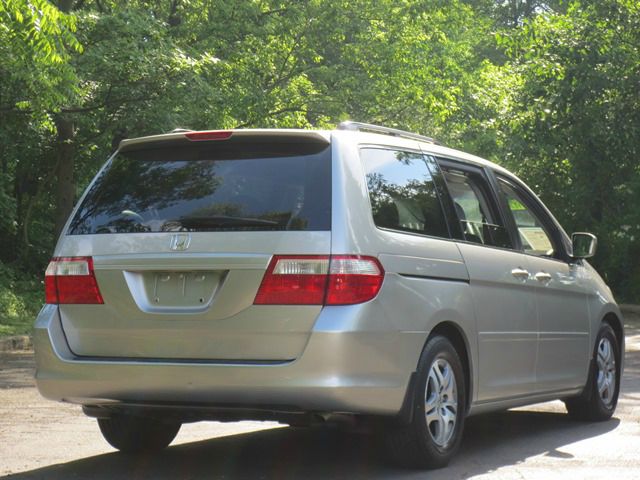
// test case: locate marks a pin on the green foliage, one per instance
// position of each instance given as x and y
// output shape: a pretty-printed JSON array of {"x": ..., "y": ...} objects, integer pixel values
[
  {"x": 20, "y": 300},
  {"x": 36, "y": 41},
  {"x": 573, "y": 125}
]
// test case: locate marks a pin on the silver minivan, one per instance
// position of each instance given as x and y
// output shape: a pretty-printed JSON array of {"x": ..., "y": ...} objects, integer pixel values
[{"x": 303, "y": 276}]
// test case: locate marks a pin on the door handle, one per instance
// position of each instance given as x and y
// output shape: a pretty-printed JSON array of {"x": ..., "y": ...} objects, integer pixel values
[
  {"x": 542, "y": 276},
  {"x": 520, "y": 273}
]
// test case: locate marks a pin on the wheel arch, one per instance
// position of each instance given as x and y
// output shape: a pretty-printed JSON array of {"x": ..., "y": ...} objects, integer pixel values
[
  {"x": 615, "y": 322},
  {"x": 454, "y": 333}
]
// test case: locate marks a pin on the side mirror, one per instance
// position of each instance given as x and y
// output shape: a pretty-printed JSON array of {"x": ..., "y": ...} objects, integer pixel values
[{"x": 584, "y": 245}]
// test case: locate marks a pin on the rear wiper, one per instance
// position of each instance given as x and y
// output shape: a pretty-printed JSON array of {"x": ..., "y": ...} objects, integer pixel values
[{"x": 215, "y": 221}]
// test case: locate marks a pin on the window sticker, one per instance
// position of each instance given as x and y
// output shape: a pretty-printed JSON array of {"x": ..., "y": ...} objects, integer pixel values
[
  {"x": 536, "y": 238},
  {"x": 515, "y": 205}
]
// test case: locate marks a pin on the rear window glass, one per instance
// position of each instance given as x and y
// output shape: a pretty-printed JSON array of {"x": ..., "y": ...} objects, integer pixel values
[{"x": 198, "y": 188}]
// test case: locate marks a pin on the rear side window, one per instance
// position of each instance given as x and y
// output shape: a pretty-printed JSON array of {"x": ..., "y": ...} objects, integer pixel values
[
  {"x": 211, "y": 187},
  {"x": 402, "y": 192}
]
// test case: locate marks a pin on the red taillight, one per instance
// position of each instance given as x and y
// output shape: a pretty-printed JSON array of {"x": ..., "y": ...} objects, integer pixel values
[
  {"x": 208, "y": 135},
  {"x": 71, "y": 280},
  {"x": 320, "y": 280},
  {"x": 294, "y": 280},
  {"x": 353, "y": 279}
]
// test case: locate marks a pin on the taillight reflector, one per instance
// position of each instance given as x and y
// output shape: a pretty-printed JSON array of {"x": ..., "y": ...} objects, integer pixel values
[
  {"x": 294, "y": 281},
  {"x": 320, "y": 280},
  {"x": 208, "y": 135},
  {"x": 71, "y": 280}
]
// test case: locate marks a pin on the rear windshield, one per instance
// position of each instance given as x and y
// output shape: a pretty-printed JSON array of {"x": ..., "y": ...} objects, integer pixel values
[{"x": 210, "y": 187}]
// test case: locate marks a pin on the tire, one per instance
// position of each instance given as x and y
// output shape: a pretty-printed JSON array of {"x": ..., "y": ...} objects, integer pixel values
[
  {"x": 135, "y": 434},
  {"x": 439, "y": 405},
  {"x": 598, "y": 404}
]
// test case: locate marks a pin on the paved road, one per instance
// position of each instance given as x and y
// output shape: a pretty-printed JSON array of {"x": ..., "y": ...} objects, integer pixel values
[{"x": 44, "y": 440}]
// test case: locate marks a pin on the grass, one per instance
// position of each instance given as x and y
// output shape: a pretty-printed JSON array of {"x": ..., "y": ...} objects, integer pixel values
[{"x": 20, "y": 300}]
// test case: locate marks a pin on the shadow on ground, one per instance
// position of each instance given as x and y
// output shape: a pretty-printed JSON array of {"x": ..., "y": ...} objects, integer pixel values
[{"x": 491, "y": 441}]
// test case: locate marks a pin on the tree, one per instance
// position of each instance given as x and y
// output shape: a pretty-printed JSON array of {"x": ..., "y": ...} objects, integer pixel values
[
  {"x": 36, "y": 44},
  {"x": 572, "y": 124}
]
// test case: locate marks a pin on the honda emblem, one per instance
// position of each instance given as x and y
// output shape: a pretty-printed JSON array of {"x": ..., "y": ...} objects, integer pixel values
[{"x": 180, "y": 242}]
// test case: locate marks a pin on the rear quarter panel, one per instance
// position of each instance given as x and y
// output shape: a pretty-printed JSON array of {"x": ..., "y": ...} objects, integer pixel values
[{"x": 426, "y": 281}]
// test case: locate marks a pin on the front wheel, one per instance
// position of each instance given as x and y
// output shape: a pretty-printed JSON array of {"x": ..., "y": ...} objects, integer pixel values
[
  {"x": 600, "y": 397},
  {"x": 435, "y": 431},
  {"x": 134, "y": 434}
]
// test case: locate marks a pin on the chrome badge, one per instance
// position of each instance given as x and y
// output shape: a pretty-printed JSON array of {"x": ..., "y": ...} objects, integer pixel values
[{"x": 180, "y": 242}]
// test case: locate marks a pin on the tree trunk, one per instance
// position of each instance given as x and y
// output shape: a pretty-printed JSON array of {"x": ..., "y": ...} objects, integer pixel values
[
  {"x": 65, "y": 5},
  {"x": 65, "y": 188}
]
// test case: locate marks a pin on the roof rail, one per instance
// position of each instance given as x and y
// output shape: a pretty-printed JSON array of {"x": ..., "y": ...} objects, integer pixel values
[{"x": 368, "y": 127}]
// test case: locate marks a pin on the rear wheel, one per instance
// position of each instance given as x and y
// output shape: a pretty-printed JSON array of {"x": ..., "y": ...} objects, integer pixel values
[
  {"x": 435, "y": 431},
  {"x": 600, "y": 397},
  {"x": 132, "y": 434}
]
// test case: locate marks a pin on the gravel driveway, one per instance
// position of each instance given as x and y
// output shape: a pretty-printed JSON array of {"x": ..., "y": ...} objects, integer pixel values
[{"x": 45, "y": 440}]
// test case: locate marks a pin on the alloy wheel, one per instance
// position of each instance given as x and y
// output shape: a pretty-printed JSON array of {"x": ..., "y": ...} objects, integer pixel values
[
  {"x": 606, "y": 380},
  {"x": 441, "y": 402}
]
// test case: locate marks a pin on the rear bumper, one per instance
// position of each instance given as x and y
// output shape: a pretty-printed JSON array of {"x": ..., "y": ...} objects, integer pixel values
[{"x": 340, "y": 370}]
